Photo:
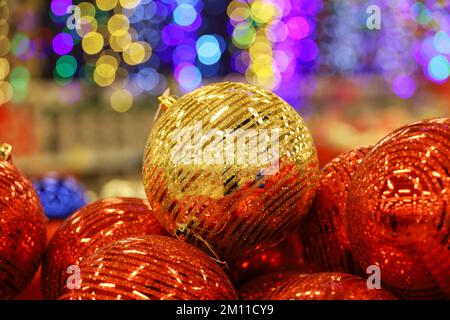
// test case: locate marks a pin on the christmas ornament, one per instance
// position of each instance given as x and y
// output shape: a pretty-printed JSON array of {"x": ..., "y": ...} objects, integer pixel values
[
  {"x": 327, "y": 286},
  {"x": 233, "y": 166},
  {"x": 151, "y": 268},
  {"x": 89, "y": 229},
  {"x": 60, "y": 196},
  {"x": 262, "y": 287},
  {"x": 22, "y": 228},
  {"x": 398, "y": 214},
  {"x": 285, "y": 256},
  {"x": 323, "y": 232}
]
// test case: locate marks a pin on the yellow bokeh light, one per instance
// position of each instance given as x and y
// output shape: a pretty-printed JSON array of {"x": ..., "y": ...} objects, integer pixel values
[
  {"x": 6, "y": 92},
  {"x": 4, "y": 45},
  {"x": 136, "y": 53},
  {"x": 120, "y": 40},
  {"x": 4, "y": 10},
  {"x": 106, "y": 5},
  {"x": 4, "y": 68},
  {"x": 238, "y": 11},
  {"x": 87, "y": 24},
  {"x": 121, "y": 100},
  {"x": 104, "y": 75},
  {"x": 129, "y": 4},
  {"x": 87, "y": 9},
  {"x": 109, "y": 60},
  {"x": 92, "y": 43},
  {"x": 117, "y": 23},
  {"x": 4, "y": 28},
  {"x": 263, "y": 11}
]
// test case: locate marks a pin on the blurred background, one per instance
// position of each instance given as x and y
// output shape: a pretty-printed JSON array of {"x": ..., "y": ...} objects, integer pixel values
[{"x": 79, "y": 80}]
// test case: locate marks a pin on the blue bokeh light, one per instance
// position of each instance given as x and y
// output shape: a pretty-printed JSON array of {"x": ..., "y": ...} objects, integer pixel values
[
  {"x": 184, "y": 14},
  {"x": 439, "y": 68},
  {"x": 208, "y": 49}
]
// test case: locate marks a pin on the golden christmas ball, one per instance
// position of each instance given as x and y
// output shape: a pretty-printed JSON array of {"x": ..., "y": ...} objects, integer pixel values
[{"x": 233, "y": 167}]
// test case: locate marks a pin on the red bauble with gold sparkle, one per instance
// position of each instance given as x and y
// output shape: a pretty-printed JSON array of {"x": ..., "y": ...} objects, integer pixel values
[
  {"x": 323, "y": 232},
  {"x": 262, "y": 287},
  {"x": 151, "y": 268},
  {"x": 327, "y": 286},
  {"x": 90, "y": 228},
  {"x": 398, "y": 214},
  {"x": 286, "y": 256},
  {"x": 22, "y": 228}
]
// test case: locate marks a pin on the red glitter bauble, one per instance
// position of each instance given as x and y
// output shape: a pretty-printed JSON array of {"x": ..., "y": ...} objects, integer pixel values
[
  {"x": 398, "y": 214},
  {"x": 89, "y": 229},
  {"x": 151, "y": 268},
  {"x": 323, "y": 232},
  {"x": 262, "y": 287},
  {"x": 22, "y": 230},
  {"x": 286, "y": 256},
  {"x": 327, "y": 286}
]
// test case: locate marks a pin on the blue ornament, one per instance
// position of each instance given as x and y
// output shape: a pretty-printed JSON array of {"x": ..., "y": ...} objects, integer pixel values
[{"x": 60, "y": 196}]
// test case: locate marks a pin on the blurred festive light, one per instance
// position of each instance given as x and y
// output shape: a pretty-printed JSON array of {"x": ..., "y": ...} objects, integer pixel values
[
  {"x": 121, "y": 100},
  {"x": 184, "y": 53},
  {"x": 120, "y": 40},
  {"x": 238, "y": 11},
  {"x": 108, "y": 60},
  {"x": 104, "y": 74},
  {"x": 59, "y": 7},
  {"x": 188, "y": 76},
  {"x": 298, "y": 27},
  {"x": 106, "y": 5},
  {"x": 439, "y": 68},
  {"x": 5, "y": 46},
  {"x": 208, "y": 49},
  {"x": 172, "y": 35},
  {"x": 243, "y": 35},
  {"x": 62, "y": 43},
  {"x": 92, "y": 43},
  {"x": 136, "y": 53},
  {"x": 263, "y": 11},
  {"x": 66, "y": 66},
  {"x": 442, "y": 42},
  {"x": 118, "y": 23},
  {"x": 4, "y": 68},
  {"x": 6, "y": 92},
  {"x": 87, "y": 9},
  {"x": 87, "y": 24},
  {"x": 147, "y": 79},
  {"x": 129, "y": 4},
  {"x": 184, "y": 14},
  {"x": 20, "y": 44},
  {"x": 404, "y": 86}
]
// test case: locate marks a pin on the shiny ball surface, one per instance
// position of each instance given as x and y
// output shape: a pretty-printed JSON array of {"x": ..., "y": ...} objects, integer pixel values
[
  {"x": 327, "y": 286},
  {"x": 92, "y": 227},
  {"x": 22, "y": 231},
  {"x": 323, "y": 231},
  {"x": 244, "y": 196},
  {"x": 151, "y": 268},
  {"x": 398, "y": 213}
]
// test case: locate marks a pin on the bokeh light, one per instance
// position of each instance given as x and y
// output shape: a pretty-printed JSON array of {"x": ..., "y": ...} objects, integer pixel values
[
  {"x": 184, "y": 14},
  {"x": 62, "y": 43},
  {"x": 439, "y": 68},
  {"x": 92, "y": 43},
  {"x": 208, "y": 49},
  {"x": 121, "y": 100}
]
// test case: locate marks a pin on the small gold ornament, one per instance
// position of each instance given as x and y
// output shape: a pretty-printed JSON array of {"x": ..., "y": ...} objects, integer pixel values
[{"x": 232, "y": 166}]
